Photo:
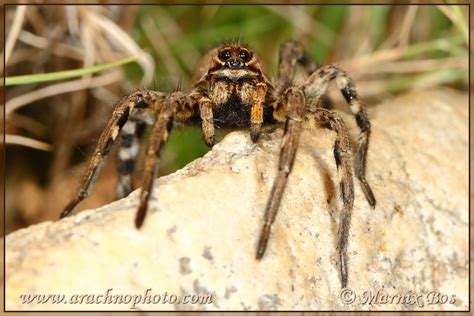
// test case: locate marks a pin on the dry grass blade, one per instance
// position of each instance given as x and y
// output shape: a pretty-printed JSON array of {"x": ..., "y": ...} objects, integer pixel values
[
  {"x": 407, "y": 26},
  {"x": 88, "y": 44},
  {"x": 72, "y": 20},
  {"x": 59, "y": 49},
  {"x": 28, "y": 142},
  {"x": 401, "y": 36},
  {"x": 18, "y": 121},
  {"x": 14, "y": 31},
  {"x": 160, "y": 45},
  {"x": 412, "y": 66},
  {"x": 371, "y": 59},
  {"x": 126, "y": 42}
]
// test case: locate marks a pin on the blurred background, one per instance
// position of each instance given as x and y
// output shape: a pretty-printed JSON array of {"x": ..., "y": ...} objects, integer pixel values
[{"x": 54, "y": 121}]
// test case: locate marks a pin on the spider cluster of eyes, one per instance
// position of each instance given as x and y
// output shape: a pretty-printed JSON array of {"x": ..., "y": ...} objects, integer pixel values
[{"x": 225, "y": 54}]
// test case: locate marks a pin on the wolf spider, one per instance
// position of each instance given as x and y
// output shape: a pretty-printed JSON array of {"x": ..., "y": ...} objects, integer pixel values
[{"x": 232, "y": 91}]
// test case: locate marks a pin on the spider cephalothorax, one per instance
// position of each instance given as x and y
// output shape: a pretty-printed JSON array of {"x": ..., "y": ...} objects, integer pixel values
[
  {"x": 231, "y": 90},
  {"x": 237, "y": 88}
]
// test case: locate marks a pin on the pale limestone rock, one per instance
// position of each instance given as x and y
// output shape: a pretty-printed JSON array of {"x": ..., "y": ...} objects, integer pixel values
[{"x": 200, "y": 236}]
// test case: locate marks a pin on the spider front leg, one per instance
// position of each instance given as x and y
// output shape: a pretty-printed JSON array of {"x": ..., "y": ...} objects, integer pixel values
[
  {"x": 175, "y": 104},
  {"x": 316, "y": 86},
  {"x": 207, "y": 117},
  {"x": 138, "y": 101},
  {"x": 256, "y": 110},
  {"x": 295, "y": 107}
]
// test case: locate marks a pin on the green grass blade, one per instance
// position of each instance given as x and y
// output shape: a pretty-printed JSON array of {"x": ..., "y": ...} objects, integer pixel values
[{"x": 60, "y": 75}]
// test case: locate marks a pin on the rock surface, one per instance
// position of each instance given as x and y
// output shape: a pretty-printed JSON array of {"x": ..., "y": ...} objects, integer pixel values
[{"x": 200, "y": 236}]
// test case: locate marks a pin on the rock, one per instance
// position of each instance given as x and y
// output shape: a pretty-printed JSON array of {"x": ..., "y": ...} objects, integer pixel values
[{"x": 201, "y": 233}]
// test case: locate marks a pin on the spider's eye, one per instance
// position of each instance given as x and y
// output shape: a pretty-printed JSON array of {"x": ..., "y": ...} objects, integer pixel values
[
  {"x": 244, "y": 55},
  {"x": 224, "y": 55}
]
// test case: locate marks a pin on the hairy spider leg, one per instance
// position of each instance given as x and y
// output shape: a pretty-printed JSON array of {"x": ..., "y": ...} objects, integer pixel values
[
  {"x": 294, "y": 104},
  {"x": 343, "y": 158},
  {"x": 256, "y": 111},
  {"x": 159, "y": 135},
  {"x": 176, "y": 106},
  {"x": 316, "y": 86},
  {"x": 346, "y": 85},
  {"x": 207, "y": 125},
  {"x": 127, "y": 154},
  {"x": 138, "y": 101},
  {"x": 295, "y": 107},
  {"x": 292, "y": 53}
]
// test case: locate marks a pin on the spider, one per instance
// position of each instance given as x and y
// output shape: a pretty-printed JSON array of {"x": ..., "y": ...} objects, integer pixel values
[{"x": 232, "y": 91}]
